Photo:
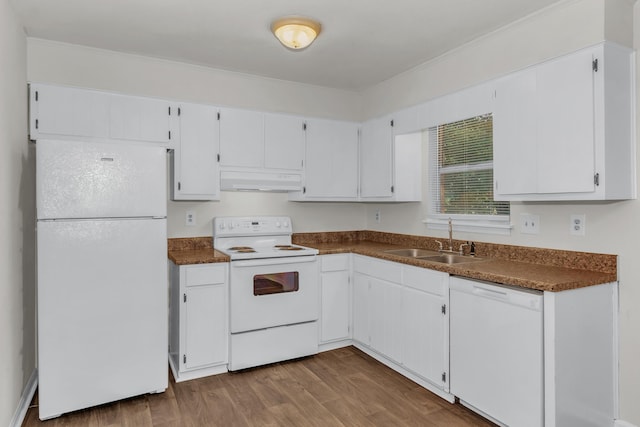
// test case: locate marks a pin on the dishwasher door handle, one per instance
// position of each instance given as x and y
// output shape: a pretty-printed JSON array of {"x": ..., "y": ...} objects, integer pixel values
[{"x": 490, "y": 293}]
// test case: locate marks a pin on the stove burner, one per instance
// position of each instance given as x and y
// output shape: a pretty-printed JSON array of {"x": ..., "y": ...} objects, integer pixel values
[
  {"x": 241, "y": 248},
  {"x": 290, "y": 248},
  {"x": 282, "y": 246},
  {"x": 245, "y": 250}
]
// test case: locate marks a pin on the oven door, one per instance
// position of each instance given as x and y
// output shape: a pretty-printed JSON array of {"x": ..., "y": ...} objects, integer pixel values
[{"x": 273, "y": 292}]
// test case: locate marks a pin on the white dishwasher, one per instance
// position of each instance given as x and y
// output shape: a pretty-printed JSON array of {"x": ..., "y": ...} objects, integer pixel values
[{"x": 496, "y": 351}]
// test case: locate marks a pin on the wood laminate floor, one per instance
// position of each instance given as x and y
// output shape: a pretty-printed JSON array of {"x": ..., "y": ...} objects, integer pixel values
[{"x": 343, "y": 387}]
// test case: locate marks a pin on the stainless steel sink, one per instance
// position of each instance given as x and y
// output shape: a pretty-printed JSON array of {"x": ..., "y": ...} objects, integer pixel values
[
  {"x": 450, "y": 258},
  {"x": 412, "y": 253}
]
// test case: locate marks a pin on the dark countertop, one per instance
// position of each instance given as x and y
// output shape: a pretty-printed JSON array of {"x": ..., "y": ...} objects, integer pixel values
[
  {"x": 534, "y": 268},
  {"x": 525, "y": 274}
]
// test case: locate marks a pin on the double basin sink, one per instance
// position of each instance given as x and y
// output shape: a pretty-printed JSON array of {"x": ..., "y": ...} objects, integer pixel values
[{"x": 434, "y": 256}]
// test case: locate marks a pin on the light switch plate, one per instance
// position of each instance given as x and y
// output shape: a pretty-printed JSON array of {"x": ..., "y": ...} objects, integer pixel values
[{"x": 529, "y": 223}]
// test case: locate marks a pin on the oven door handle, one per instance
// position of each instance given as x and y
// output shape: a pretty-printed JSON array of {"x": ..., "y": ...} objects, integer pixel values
[{"x": 273, "y": 261}]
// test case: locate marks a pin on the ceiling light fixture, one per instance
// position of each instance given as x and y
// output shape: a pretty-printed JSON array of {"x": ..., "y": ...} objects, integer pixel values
[{"x": 295, "y": 32}]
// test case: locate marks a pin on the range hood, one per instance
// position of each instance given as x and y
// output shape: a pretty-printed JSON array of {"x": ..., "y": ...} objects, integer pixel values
[{"x": 260, "y": 181}]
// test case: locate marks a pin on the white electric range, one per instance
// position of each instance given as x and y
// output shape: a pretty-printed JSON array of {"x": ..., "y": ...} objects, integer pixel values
[{"x": 273, "y": 290}]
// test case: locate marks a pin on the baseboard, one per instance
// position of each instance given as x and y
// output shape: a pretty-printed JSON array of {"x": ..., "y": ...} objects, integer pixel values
[
  {"x": 25, "y": 400},
  {"x": 621, "y": 423}
]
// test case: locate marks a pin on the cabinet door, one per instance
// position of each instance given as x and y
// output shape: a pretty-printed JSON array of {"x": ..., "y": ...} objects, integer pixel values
[
  {"x": 139, "y": 119},
  {"x": 385, "y": 314},
  {"x": 205, "y": 326},
  {"x": 406, "y": 121},
  {"x": 361, "y": 308},
  {"x": 241, "y": 138},
  {"x": 515, "y": 146},
  {"x": 565, "y": 111},
  {"x": 424, "y": 349},
  {"x": 335, "y": 303},
  {"x": 68, "y": 111},
  {"x": 196, "y": 171},
  {"x": 376, "y": 159},
  {"x": 283, "y": 142},
  {"x": 331, "y": 169}
]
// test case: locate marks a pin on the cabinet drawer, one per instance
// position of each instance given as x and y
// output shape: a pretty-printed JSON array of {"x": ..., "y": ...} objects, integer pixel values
[
  {"x": 205, "y": 274},
  {"x": 434, "y": 282},
  {"x": 389, "y": 271},
  {"x": 337, "y": 262}
]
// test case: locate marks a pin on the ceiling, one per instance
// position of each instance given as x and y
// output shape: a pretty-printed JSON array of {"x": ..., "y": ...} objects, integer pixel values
[{"x": 363, "y": 42}]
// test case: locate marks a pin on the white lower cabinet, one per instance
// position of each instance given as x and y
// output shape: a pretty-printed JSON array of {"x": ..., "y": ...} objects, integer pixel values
[
  {"x": 198, "y": 320},
  {"x": 425, "y": 324},
  {"x": 400, "y": 315},
  {"x": 335, "y": 300}
]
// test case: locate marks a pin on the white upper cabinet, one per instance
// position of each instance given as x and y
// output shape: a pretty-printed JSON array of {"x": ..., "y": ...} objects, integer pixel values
[
  {"x": 140, "y": 119},
  {"x": 62, "y": 111},
  {"x": 241, "y": 138},
  {"x": 259, "y": 141},
  {"x": 376, "y": 159},
  {"x": 331, "y": 171},
  {"x": 391, "y": 161},
  {"x": 406, "y": 121},
  {"x": 515, "y": 145},
  {"x": 58, "y": 111},
  {"x": 563, "y": 130},
  {"x": 194, "y": 165},
  {"x": 283, "y": 142}
]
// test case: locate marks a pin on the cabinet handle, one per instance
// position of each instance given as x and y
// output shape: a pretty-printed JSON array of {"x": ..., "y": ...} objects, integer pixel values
[
  {"x": 179, "y": 188},
  {"x": 184, "y": 297}
]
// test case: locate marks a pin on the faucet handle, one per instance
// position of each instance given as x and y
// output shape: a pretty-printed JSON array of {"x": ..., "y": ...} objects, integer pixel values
[
  {"x": 460, "y": 249},
  {"x": 439, "y": 245}
]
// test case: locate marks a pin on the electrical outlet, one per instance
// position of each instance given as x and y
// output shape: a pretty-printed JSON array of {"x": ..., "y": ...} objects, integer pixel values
[
  {"x": 378, "y": 217},
  {"x": 529, "y": 223},
  {"x": 190, "y": 218},
  {"x": 577, "y": 224}
]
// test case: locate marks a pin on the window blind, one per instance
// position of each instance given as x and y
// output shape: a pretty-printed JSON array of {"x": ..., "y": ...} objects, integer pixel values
[{"x": 461, "y": 168}]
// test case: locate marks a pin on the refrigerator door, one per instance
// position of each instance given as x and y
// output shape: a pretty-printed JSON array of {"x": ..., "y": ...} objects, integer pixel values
[
  {"x": 77, "y": 179},
  {"x": 102, "y": 311}
]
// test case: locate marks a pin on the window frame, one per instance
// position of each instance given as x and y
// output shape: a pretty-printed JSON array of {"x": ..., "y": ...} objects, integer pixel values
[{"x": 480, "y": 223}]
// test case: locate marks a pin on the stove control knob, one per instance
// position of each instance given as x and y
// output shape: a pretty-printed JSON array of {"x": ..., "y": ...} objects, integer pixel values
[
  {"x": 222, "y": 225},
  {"x": 286, "y": 224},
  {"x": 277, "y": 224}
]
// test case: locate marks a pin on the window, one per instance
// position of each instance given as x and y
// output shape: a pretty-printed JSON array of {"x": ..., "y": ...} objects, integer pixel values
[{"x": 461, "y": 176}]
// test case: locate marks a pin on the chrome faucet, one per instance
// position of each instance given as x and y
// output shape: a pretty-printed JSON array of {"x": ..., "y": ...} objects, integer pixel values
[{"x": 450, "y": 235}]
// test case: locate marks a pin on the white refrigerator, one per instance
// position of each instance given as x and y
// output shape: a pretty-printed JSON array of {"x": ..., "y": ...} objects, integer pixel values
[{"x": 102, "y": 273}]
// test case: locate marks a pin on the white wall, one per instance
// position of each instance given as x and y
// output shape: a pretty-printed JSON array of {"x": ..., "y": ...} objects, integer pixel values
[
  {"x": 17, "y": 270},
  {"x": 60, "y": 63},
  {"x": 572, "y": 24},
  {"x": 611, "y": 227}
]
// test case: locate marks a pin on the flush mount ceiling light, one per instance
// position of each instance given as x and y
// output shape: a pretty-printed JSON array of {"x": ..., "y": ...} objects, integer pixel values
[{"x": 295, "y": 32}]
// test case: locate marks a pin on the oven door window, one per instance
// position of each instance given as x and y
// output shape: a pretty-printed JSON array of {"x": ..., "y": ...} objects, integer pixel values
[{"x": 275, "y": 283}]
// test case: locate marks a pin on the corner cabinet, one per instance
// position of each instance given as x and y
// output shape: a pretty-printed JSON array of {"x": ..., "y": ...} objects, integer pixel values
[
  {"x": 564, "y": 129},
  {"x": 198, "y": 320},
  {"x": 194, "y": 164},
  {"x": 335, "y": 301},
  {"x": 400, "y": 317},
  {"x": 391, "y": 161}
]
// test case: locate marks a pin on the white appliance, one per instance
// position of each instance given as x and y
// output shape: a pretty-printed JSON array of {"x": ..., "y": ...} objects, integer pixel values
[
  {"x": 273, "y": 294},
  {"x": 102, "y": 274},
  {"x": 496, "y": 362}
]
